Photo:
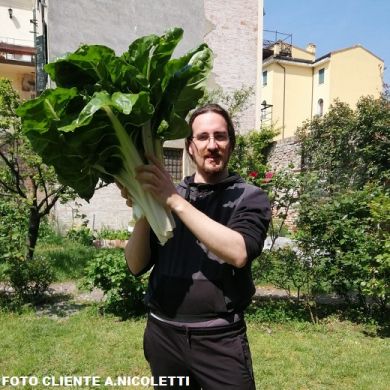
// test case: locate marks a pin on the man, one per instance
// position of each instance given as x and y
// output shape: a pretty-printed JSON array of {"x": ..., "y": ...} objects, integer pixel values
[{"x": 201, "y": 279}]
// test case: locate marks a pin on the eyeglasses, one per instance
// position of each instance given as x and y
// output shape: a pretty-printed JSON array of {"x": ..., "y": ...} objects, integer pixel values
[{"x": 204, "y": 138}]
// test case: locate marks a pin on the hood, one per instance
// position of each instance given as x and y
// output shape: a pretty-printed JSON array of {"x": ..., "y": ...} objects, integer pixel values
[{"x": 187, "y": 186}]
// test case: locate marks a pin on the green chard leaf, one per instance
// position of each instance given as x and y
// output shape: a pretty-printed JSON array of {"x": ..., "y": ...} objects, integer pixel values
[
  {"x": 108, "y": 111},
  {"x": 183, "y": 84},
  {"x": 86, "y": 66}
]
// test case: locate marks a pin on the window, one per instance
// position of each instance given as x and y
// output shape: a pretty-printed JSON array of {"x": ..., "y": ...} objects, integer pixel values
[
  {"x": 173, "y": 161},
  {"x": 265, "y": 78},
  {"x": 321, "y": 76},
  {"x": 320, "y": 107}
]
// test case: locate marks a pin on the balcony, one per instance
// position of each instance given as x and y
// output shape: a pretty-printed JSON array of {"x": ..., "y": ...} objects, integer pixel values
[{"x": 17, "y": 52}]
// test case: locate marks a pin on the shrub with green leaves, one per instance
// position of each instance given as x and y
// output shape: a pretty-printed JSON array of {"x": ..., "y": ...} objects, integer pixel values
[
  {"x": 106, "y": 233},
  {"x": 48, "y": 234},
  {"x": 283, "y": 268},
  {"x": 83, "y": 235},
  {"x": 249, "y": 158},
  {"x": 13, "y": 228},
  {"x": 124, "y": 293},
  {"x": 348, "y": 148},
  {"x": 30, "y": 279},
  {"x": 348, "y": 230},
  {"x": 344, "y": 198}
]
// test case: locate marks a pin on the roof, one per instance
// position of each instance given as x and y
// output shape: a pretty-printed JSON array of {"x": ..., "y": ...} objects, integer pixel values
[
  {"x": 328, "y": 55},
  {"x": 355, "y": 47}
]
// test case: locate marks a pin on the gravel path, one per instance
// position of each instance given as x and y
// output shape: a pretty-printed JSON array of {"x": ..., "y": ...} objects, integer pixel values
[
  {"x": 70, "y": 289},
  {"x": 66, "y": 299}
]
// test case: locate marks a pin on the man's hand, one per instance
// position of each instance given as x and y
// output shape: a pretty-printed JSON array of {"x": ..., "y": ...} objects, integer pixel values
[
  {"x": 125, "y": 194},
  {"x": 155, "y": 179}
]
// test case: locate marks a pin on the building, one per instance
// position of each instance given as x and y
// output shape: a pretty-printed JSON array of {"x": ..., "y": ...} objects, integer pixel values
[
  {"x": 233, "y": 31},
  {"x": 296, "y": 85},
  {"x": 17, "y": 48}
]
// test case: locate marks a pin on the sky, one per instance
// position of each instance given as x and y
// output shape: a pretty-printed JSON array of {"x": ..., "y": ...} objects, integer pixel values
[{"x": 333, "y": 24}]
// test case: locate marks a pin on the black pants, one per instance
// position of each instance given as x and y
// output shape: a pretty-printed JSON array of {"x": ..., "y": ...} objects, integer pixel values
[{"x": 213, "y": 358}]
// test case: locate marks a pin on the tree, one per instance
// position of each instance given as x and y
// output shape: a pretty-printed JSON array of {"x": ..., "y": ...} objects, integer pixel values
[
  {"x": 24, "y": 179},
  {"x": 347, "y": 148},
  {"x": 235, "y": 102},
  {"x": 343, "y": 209}
]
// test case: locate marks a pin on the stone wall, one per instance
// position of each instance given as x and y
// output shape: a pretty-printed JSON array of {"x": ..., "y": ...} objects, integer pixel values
[{"x": 285, "y": 152}]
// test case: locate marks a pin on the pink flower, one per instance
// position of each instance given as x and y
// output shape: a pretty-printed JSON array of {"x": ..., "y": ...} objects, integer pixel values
[
  {"x": 268, "y": 177},
  {"x": 253, "y": 174}
]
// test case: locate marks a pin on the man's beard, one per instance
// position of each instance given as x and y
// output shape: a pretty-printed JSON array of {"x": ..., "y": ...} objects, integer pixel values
[{"x": 209, "y": 168}]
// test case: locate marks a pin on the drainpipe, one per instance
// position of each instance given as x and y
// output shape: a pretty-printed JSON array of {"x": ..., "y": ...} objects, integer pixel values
[
  {"x": 284, "y": 96},
  {"x": 34, "y": 23},
  {"x": 312, "y": 92}
]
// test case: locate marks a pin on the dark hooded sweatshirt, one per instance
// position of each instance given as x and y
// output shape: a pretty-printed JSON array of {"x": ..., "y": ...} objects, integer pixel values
[{"x": 189, "y": 283}]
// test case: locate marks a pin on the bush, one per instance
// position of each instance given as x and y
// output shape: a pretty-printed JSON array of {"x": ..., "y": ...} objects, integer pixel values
[
  {"x": 124, "y": 293},
  {"x": 48, "y": 234},
  {"x": 13, "y": 228},
  {"x": 351, "y": 233},
  {"x": 111, "y": 234},
  {"x": 82, "y": 235},
  {"x": 250, "y": 153},
  {"x": 30, "y": 279},
  {"x": 344, "y": 204},
  {"x": 276, "y": 311},
  {"x": 286, "y": 268}
]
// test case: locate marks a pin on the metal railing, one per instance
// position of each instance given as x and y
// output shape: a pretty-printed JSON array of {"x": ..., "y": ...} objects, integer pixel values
[
  {"x": 12, "y": 49},
  {"x": 17, "y": 42},
  {"x": 270, "y": 37}
]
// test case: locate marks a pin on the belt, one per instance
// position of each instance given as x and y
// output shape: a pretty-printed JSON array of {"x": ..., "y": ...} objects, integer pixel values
[{"x": 195, "y": 330}]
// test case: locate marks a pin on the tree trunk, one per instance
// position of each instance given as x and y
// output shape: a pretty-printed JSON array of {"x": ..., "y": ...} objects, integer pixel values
[{"x": 33, "y": 231}]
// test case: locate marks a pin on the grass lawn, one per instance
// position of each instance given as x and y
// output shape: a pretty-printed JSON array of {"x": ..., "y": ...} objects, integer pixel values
[
  {"x": 337, "y": 355},
  {"x": 67, "y": 258},
  {"x": 333, "y": 355}
]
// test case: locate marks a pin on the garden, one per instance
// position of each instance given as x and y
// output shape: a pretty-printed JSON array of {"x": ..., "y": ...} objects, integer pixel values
[{"x": 327, "y": 257}]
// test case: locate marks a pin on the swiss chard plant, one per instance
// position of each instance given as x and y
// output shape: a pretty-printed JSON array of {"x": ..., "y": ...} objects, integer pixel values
[{"x": 108, "y": 112}]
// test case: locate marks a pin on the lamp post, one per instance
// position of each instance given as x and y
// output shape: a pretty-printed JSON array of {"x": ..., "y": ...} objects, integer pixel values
[{"x": 265, "y": 113}]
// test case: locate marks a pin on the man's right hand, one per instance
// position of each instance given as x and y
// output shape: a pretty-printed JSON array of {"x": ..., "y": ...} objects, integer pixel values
[{"x": 125, "y": 194}]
